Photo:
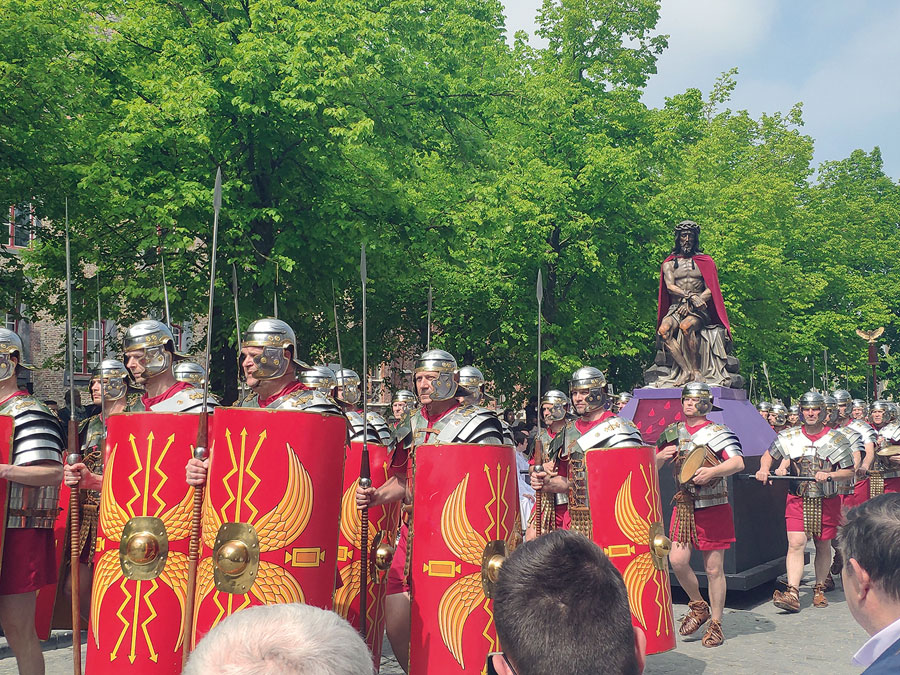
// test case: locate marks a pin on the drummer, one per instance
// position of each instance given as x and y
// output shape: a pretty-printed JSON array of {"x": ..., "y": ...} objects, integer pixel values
[{"x": 704, "y": 453}]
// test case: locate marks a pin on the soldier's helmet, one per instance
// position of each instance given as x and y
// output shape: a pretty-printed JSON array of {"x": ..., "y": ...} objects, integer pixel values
[
  {"x": 472, "y": 379},
  {"x": 701, "y": 392},
  {"x": 780, "y": 412},
  {"x": 558, "y": 401},
  {"x": 348, "y": 384},
  {"x": 113, "y": 377},
  {"x": 440, "y": 362},
  {"x": 158, "y": 343},
  {"x": 320, "y": 378},
  {"x": 764, "y": 406},
  {"x": 813, "y": 400},
  {"x": 885, "y": 408},
  {"x": 11, "y": 343},
  {"x": 190, "y": 372},
  {"x": 273, "y": 336},
  {"x": 592, "y": 380},
  {"x": 842, "y": 396}
]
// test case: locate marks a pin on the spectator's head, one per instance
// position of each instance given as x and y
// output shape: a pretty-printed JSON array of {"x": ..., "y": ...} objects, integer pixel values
[
  {"x": 870, "y": 543},
  {"x": 570, "y": 621},
  {"x": 288, "y": 639}
]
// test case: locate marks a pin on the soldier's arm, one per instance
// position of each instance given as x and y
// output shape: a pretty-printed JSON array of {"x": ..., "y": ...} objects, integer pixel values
[
  {"x": 869, "y": 457},
  {"x": 393, "y": 490},
  {"x": 36, "y": 474},
  {"x": 78, "y": 475},
  {"x": 765, "y": 463}
]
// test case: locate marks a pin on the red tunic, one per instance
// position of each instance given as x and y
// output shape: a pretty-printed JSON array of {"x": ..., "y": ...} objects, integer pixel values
[
  {"x": 289, "y": 389},
  {"x": 150, "y": 401}
]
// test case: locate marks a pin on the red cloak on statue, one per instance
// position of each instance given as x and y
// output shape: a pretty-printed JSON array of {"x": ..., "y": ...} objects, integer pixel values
[{"x": 707, "y": 267}]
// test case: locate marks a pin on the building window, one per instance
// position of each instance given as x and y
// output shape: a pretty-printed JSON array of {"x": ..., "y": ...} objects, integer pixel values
[
  {"x": 88, "y": 348},
  {"x": 177, "y": 334},
  {"x": 22, "y": 225},
  {"x": 11, "y": 323}
]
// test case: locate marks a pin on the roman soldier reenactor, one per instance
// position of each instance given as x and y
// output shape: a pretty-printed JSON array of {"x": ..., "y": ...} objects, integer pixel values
[
  {"x": 554, "y": 415},
  {"x": 820, "y": 457},
  {"x": 150, "y": 357},
  {"x": 348, "y": 395},
  {"x": 703, "y": 454},
  {"x": 778, "y": 417},
  {"x": 621, "y": 401},
  {"x": 441, "y": 418},
  {"x": 30, "y": 475},
  {"x": 595, "y": 427},
  {"x": 402, "y": 401},
  {"x": 884, "y": 476},
  {"x": 764, "y": 408},
  {"x": 858, "y": 409},
  {"x": 109, "y": 389},
  {"x": 794, "y": 416}
]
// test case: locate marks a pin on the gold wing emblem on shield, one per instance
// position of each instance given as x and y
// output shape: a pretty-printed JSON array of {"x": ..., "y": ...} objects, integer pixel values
[
  {"x": 350, "y": 529},
  {"x": 637, "y": 528},
  {"x": 289, "y": 518},
  {"x": 112, "y": 516},
  {"x": 106, "y": 571},
  {"x": 465, "y": 593},
  {"x": 273, "y": 586},
  {"x": 210, "y": 524},
  {"x": 178, "y": 519},
  {"x": 175, "y": 575}
]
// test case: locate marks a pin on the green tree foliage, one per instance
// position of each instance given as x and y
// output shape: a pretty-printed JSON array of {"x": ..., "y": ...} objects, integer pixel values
[{"x": 464, "y": 162}]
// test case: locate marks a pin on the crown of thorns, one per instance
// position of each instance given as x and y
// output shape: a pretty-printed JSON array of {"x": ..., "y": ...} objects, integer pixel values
[{"x": 687, "y": 226}]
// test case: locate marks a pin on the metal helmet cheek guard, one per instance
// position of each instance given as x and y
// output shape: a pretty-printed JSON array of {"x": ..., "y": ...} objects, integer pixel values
[
  {"x": 348, "y": 382},
  {"x": 438, "y": 361},
  {"x": 701, "y": 393},
  {"x": 190, "y": 372},
  {"x": 113, "y": 376},
  {"x": 813, "y": 399},
  {"x": 559, "y": 404},
  {"x": 594, "y": 381},
  {"x": 152, "y": 336},
  {"x": 10, "y": 343},
  {"x": 781, "y": 413},
  {"x": 831, "y": 409}
]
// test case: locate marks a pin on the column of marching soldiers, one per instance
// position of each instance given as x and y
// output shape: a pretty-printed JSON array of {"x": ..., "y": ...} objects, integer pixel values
[{"x": 283, "y": 505}]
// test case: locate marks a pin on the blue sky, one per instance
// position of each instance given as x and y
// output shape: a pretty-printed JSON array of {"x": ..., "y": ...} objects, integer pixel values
[{"x": 839, "y": 58}]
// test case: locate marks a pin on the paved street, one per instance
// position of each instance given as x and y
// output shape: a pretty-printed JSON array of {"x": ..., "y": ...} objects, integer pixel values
[{"x": 759, "y": 639}]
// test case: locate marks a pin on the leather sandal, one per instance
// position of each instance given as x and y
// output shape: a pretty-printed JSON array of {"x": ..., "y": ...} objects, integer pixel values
[
  {"x": 696, "y": 617},
  {"x": 714, "y": 635},
  {"x": 819, "y": 599},
  {"x": 789, "y": 601},
  {"x": 828, "y": 584}
]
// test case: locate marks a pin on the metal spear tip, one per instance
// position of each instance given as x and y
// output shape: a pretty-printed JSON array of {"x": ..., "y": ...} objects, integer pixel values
[
  {"x": 73, "y": 458},
  {"x": 201, "y": 453},
  {"x": 217, "y": 191}
]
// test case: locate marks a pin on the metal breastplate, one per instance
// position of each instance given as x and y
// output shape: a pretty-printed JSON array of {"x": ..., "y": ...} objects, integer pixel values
[
  {"x": 37, "y": 437},
  {"x": 465, "y": 424},
  {"x": 830, "y": 452},
  {"x": 614, "y": 432},
  {"x": 716, "y": 492},
  {"x": 92, "y": 451}
]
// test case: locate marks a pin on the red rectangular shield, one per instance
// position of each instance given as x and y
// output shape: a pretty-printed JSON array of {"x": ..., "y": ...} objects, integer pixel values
[
  {"x": 272, "y": 512},
  {"x": 626, "y": 521},
  {"x": 465, "y": 501},
  {"x": 145, "y": 523},
  {"x": 383, "y": 522}
]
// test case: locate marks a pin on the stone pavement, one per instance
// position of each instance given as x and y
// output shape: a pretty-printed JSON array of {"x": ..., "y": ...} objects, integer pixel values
[{"x": 759, "y": 639}]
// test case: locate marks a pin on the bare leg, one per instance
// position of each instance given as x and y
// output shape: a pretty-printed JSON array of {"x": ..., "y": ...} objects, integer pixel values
[
  {"x": 17, "y": 619},
  {"x": 823, "y": 559},
  {"x": 396, "y": 611},
  {"x": 794, "y": 560},
  {"x": 691, "y": 328},
  {"x": 680, "y": 558},
  {"x": 714, "y": 561},
  {"x": 668, "y": 332}
]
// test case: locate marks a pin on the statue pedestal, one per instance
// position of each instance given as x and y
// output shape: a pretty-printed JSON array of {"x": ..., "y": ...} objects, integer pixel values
[{"x": 758, "y": 554}]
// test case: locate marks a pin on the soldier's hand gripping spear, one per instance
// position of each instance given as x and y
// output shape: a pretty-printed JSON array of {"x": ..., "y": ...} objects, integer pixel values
[
  {"x": 74, "y": 457},
  {"x": 365, "y": 474},
  {"x": 201, "y": 447}
]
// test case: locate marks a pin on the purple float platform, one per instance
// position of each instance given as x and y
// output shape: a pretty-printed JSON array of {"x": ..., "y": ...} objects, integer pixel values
[{"x": 758, "y": 554}]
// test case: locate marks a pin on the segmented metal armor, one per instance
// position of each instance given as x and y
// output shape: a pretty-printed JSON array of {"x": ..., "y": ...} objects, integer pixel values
[
  {"x": 93, "y": 434},
  {"x": 37, "y": 437},
  {"x": 376, "y": 431},
  {"x": 465, "y": 424},
  {"x": 882, "y": 467},
  {"x": 806, "y": 459}
]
